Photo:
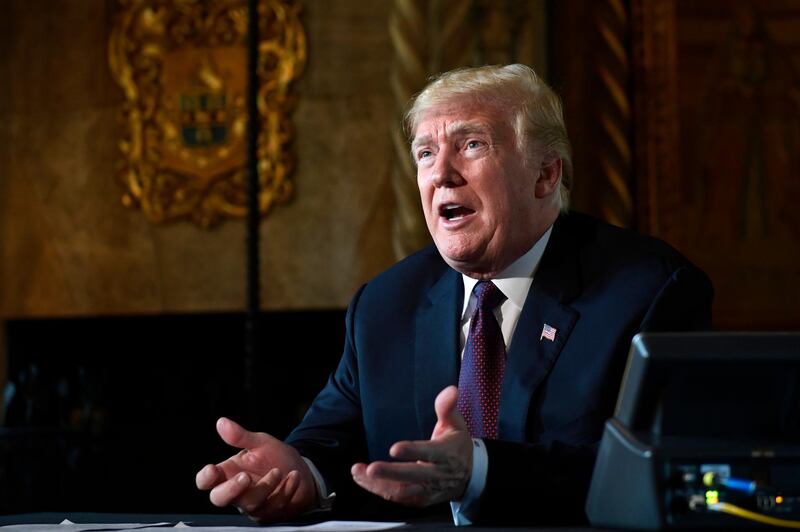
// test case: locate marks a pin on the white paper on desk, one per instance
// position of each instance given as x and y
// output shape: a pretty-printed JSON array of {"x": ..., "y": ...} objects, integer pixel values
[
  {"x": 349, "y": 526},
  {"x": 327, "y": 526},
  {"x": 68, "y": 526}
]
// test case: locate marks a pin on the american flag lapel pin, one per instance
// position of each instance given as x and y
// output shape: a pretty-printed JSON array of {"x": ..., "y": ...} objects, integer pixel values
[{"x": 548, "y": 332}]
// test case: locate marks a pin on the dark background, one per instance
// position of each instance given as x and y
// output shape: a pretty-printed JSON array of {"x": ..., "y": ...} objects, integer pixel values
[{"x": 118, "y": 414}]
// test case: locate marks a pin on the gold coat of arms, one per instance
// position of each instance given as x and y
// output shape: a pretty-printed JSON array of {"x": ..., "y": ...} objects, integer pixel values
[{"x": 182, "y": 65}]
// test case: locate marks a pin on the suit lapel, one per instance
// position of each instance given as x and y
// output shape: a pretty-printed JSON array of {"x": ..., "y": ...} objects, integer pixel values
[
  {"x": 532, "y": 356},
  {"x": 436, "y": 346}
]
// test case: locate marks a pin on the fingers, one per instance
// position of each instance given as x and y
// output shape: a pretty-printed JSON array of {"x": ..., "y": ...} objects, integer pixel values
[
  {"x": 412, "y": 494},
  {"x": 244, "y": 460},
  {"x": 208, "y": 477},
  {"x": 269, "y": 495},
  {"x": 270, "y": 498},
  {"x": 417, "y": 472},
  {"x": 253, "y": 500},
  {"x": 446, "y": 406},
  {"x": 226, "y": 492},
  {"x": 280, "y": 498},
  {"x": 446, "y": 402},
  {"x": 426, "y": 450},
  {"x": 236, "y": 436},
  {"x": 413, "y": 483},
  {"x": 442, "y": 450}
]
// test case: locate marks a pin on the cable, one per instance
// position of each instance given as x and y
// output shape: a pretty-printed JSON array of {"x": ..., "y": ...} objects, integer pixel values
[
  {"x": 736, "y": 484},
  {"x": 732, "y": 509},
  {"x": 712, "y": 479}
]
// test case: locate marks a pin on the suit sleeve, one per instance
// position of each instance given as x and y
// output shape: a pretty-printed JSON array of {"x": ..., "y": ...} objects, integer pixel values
[
  {"x": 547, "y": 484},
  {"x": 683, "y": 304},
  {"x": 331, "y": 434}
]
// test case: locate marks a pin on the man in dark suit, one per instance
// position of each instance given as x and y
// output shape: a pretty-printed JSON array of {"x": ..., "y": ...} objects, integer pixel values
[{"x": 528, "y": 309}]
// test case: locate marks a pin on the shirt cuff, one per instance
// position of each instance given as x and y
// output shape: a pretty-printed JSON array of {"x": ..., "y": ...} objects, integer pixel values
[
  {"x": 324, "y": 499},
  {"x": 465, "y": 510}
]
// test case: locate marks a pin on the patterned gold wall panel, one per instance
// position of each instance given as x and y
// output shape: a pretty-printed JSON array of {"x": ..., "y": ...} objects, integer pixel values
[{"x": 183, "y": 68}]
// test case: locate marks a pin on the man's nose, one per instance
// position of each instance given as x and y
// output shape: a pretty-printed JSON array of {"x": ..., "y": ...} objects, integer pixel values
[{"x": 444, "y": 173}]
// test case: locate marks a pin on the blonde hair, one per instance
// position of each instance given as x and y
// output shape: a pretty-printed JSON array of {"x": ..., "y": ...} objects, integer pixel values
[{"x": 539, "y": 118}]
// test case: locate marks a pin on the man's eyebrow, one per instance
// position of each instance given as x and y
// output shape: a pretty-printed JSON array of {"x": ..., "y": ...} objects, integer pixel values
[
  {"x": 470, "y": 128},
  {"x": 457, "y": 128},
  {"x": 424, "y": 139}
]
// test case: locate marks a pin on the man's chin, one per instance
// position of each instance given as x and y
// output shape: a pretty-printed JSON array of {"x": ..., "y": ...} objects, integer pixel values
[
  {"x": 471, "y": 265},
  {"x": 455, "y": 253}
]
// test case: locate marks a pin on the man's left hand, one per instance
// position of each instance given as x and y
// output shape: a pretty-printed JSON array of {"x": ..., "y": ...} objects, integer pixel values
[{"x": 427, "y": 472}]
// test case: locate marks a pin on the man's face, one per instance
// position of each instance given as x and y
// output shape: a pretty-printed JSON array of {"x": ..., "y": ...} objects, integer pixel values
[{"x": 483, "y": 204}]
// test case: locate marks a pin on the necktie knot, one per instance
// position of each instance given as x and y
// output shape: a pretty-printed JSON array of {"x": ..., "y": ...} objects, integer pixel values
[{"x": 489, "y": 296}]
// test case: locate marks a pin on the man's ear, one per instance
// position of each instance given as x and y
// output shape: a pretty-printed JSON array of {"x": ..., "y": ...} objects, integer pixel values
[{"x": 549, "y": 176}]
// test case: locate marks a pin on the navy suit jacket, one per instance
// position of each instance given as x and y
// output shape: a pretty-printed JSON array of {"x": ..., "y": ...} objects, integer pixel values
[{"x": 597, "y": 285}]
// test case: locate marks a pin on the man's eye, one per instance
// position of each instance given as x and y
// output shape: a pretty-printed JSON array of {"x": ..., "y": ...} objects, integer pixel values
[
  {"x": 472, "y": 144},
  {"x": 424, "y": 154}
]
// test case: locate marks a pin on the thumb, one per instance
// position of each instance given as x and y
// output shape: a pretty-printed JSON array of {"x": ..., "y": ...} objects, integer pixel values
[
  {"x": 236, "y": 436},
  {"x": 447, "y": 412}
]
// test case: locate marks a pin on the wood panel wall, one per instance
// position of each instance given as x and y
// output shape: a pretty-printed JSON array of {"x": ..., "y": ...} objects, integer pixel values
[{"x": 718, "y": 135}]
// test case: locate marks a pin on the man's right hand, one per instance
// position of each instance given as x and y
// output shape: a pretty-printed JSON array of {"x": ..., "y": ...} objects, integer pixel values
[{"x": 267, "y": 479}]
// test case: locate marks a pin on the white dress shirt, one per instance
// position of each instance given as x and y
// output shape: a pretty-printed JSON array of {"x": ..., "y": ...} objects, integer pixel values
[{"x": 515, "y": 282}]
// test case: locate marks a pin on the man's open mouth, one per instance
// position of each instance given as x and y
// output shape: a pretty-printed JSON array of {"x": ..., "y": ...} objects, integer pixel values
[{"x": 454, "y": 211}]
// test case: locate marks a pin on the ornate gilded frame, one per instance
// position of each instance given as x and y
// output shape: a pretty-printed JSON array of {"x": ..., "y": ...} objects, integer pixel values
[{"x": 182, "y": 65}]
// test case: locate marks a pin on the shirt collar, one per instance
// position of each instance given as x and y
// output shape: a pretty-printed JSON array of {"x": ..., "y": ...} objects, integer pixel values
[{"x": 515, "y": 281}]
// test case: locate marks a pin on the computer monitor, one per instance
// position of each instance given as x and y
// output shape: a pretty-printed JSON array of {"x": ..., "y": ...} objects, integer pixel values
[
  {"x": 736, "y": 386},
  {"x": 699, "y": 403}
]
